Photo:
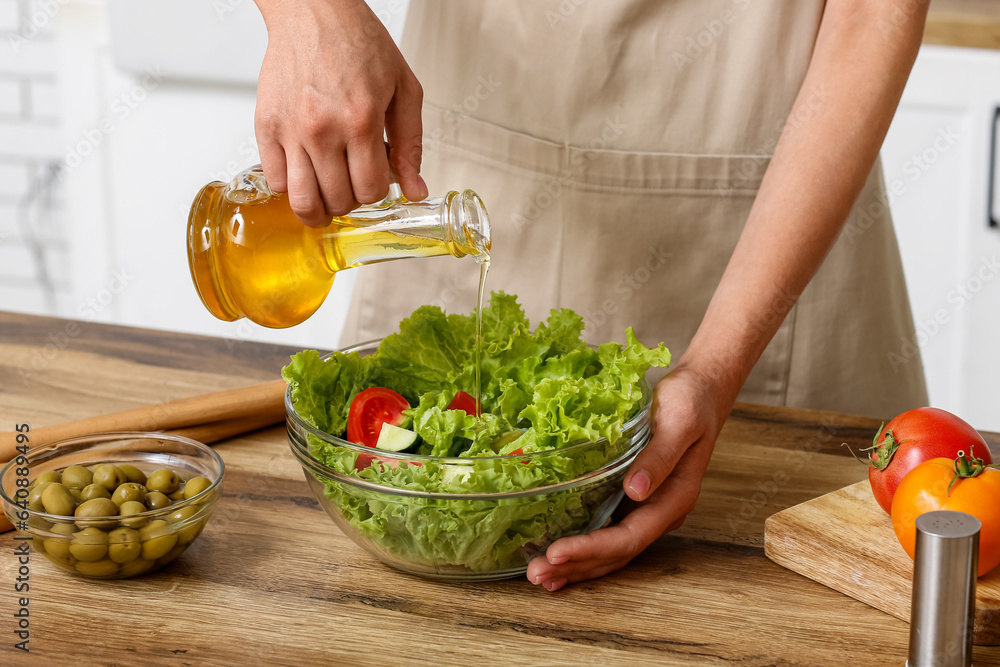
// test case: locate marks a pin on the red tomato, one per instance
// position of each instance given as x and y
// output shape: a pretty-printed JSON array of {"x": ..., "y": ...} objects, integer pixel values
[
  {"x": 519, "y": 450},
  {"x": 463, "y": 401},
  {"x": 912, "y": 438},
  {"x": 363, "y": 461},
  {"x": 369, "y": 410},
  {"x": 934, "y": 485}
]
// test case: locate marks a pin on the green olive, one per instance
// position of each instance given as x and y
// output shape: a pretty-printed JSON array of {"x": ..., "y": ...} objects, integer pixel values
[
  {"x": 183, "y": 513},
  {"x": 77, "y": 494},
  {"x": 76, "y": 477},
  {"x": 170, "y": 555},
  {"x": 194, "y": 486},
  {"x": 90, "y": 544},
  {"x": 124, "y": 545},
  {"x": 129, "y": 491},
  {"x": 64, "y": 529},
  {"x": 92, "y": 491},
  {"x": 130, "y": 507},
  {"x": 48, "y": 476},
  {"x": 157, "y": 501},
  {"x": 177, "y": 495},
  {"x": 35, "y": 496},
  {"x": 188, "y": 534},
  {"x": 132, "y": 473},
  {"x": 190, "y": 529},
  {"x": 66, "y": 561},
  {"x": 58, "y": 548},
  {"x": 56, "y": 499},
  {"x": 109, "y": 476},
  {"x": 100, "y": 568},
  {"x": 163, "y": 480},
  {"x": 157, "y": 539},
  {"x": 135, "y": 567},
  {"x": 98, "y": 507},
  {"x": 38, "y": 522}
]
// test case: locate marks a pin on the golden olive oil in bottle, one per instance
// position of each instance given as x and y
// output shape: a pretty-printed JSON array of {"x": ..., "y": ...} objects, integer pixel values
[{"x": 251, "y": 257}]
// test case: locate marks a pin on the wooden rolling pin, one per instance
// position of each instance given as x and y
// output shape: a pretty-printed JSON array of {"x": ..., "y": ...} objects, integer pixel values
[
  {"x": 207, "y": 418},
  {"x": 254, "y": 405}
]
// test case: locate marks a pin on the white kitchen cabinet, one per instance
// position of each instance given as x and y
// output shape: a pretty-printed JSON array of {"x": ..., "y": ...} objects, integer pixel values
[{"x": 938, "y": 156}]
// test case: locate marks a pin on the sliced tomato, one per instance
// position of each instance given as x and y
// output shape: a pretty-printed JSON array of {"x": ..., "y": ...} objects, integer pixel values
[
  {"x": 463, "y": 401},
  {"x": 519, "y": 450},
  {"x": 369, "y": 410},
  {"x": 363, "y": 461}
]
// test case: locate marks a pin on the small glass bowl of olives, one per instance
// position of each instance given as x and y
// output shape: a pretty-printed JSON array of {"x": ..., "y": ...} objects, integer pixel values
[{"x": 112, "y": 505}]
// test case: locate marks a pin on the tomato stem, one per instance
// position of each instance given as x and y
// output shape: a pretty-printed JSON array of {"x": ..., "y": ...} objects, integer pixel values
[
  {"x": 885, "y": 449},
  {"x": 967, "y": 467}
]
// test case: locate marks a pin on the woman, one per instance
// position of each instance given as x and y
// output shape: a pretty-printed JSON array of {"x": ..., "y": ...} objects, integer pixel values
[{"x": 681, "y": 166}]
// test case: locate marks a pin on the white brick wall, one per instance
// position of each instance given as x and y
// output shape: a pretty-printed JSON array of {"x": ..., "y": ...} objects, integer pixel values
[
  {"x": 11, "y": 102},
  {"x": 43, "y": 99},
  {"x": 29, "y": 139},
  {"x": 16, "y": 265},
  {"x": 13, "y": 179},
  {"x": 28, "y": 56},
  {"x": 31, "y": 239}
]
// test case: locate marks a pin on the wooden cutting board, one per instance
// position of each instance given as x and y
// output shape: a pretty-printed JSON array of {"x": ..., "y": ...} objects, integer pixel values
[{"x": 844, "y": 540}]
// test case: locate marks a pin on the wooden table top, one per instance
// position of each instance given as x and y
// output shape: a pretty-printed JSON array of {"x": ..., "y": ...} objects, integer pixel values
[
  {"x": 968, "y": 23},
  {"x": 272, "y": 581}
]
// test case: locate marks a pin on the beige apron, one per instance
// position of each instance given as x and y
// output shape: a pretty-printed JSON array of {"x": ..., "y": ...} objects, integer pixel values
[{"x": 618, "y": 147}]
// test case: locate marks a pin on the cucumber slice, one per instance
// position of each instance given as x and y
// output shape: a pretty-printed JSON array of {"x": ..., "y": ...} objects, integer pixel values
[
  {"x": 505, "y": 439},
  {"x": 395, "y": 439}
]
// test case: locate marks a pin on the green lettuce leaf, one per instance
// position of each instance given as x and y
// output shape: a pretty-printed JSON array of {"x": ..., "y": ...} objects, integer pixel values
[{"x": 322, "y": 390}]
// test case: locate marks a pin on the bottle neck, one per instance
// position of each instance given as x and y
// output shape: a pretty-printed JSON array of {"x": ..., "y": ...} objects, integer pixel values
[
  {"x": 456, "y": 224},
  {"x": 467, "y": 224}
]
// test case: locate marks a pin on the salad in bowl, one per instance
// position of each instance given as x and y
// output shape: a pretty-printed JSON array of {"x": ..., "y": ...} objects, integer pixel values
[{"x": 405, "y": 460}]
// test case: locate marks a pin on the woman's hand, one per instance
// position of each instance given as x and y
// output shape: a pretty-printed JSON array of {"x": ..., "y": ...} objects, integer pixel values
[
  {"x": 332, "y": 82},
  {"x": 688, "y": 411}
]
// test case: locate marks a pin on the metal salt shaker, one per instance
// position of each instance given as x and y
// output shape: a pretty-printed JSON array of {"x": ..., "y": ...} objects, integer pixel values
[{"x": 944, "y": 590}]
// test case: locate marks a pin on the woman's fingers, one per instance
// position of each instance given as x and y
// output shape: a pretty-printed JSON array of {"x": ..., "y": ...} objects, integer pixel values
[
  {"x": 403, "y": 128},
  {"x": 595, "y": 554},
  {"x": 368, "y": 166},
  {"x": 303, "y": 189},
  {"x": 333, "y": 176},
  {"x": 272, "y": 155}
]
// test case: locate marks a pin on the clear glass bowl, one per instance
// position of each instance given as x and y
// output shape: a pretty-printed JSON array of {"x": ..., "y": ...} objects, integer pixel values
[
  {"x": 465, "y": 536},
  {"x": 53, "y": 535}
]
